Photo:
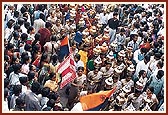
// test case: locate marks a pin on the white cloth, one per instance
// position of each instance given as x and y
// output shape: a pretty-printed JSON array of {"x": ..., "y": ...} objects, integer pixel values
[{"x": 77, "y": 107}]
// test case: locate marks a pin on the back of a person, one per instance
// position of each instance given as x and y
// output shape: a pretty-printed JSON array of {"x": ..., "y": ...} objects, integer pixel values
[{"x": 32, "y": 102}]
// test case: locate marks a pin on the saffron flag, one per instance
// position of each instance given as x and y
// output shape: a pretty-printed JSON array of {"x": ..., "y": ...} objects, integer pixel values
[
  {"x": 67, "y": 71},
  {"x": 64, "y": 47},
  {"x": 95, "y": 100}
]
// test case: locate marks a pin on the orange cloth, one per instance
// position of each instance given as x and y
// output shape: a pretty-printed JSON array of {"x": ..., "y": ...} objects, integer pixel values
[
  {"x": 64, "y": 41},
  {"x": 93, "y": 100}
]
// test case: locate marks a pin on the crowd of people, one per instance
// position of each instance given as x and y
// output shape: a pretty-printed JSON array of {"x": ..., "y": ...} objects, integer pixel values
[{"x": 113, "y": 45}]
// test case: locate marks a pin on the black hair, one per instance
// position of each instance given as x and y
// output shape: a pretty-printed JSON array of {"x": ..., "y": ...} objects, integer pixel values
[
  {"x": 20, "y": 101},
  {"x": 21, "y": 21},
  {"x": 6, "y": 82},
  {"x": 37, "y": 36},
  {"x": 151, "y": 88},
  {"x": 23, "y": 80},
  {"x": 27, "y": 25},
  {"x": 52, "y": 74},
  {"x": 45, "y": 91},
  {"x": 16, "y": 67},
  {"x": 23, "y": 10},
  {"x": 141, "y": 72},
  {"x": 24, "y": 54},
  {"x": 16, "y": 14},
  {"x": 30, "y": 29},
  {"x": 144, "y": 50},
  {"x": 9, "y": 24},
  {"x": 161, "y": 73},
  {"x": 160, "y": 63},
  {"x": 16, "y": 27},
  {"x": 10, "y": 46},
  {"x": 53, "y": 95},
  {"x": 30, "y": 75},
  {"x": 17, "y": 89},
  {"x": 25, "y": 59},
  {"x": 77, "y": 56},
  {"x": 147, "y": 58},
  {"x": 81, "y": 68},
  {"x": 48, "y": 24},
  {"x": 27, "y": 47},
  {"x": 24, "y": 36},
  {"x": 35, "y": 87},
  {"x": 53, "y": 38},
  {"x": 51, "y": 103}
]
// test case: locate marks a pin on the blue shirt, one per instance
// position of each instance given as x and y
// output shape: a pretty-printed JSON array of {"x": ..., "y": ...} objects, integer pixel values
[{"x": 157, "y": 84}]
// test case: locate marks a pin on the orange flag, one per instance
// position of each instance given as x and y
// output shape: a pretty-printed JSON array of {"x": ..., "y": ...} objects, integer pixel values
[{"x": 93, "y": 100}]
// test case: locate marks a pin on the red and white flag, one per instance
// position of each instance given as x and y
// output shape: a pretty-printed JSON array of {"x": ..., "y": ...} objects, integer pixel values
[{"x": 67, "y": 71}]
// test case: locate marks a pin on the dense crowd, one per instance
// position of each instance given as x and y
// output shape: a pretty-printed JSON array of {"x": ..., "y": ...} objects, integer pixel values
[{"x": 113, "y": 45}]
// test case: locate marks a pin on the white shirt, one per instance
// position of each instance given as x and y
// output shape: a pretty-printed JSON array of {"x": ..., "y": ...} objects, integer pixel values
[
  {"x": 141, "y": 66},
  {"x": 81, "y": 79},
  {"x": 136, "y": 53}
]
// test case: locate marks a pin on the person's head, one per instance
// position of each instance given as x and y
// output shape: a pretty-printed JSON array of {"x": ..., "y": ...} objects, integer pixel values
[
  {"x": 35, "y": 87},
  {"x": 142, "y": 73},
  {"x": 31, "y": 75},
  {"x": 53, "y": 95},
  {"x": 80, "y": 71},
  {"x": 32, "y": 68},
  {"x": 16, "y": 35},
  {"x": 16, "y": 14},
  {"x": 137, "y": 93},
  {"x": 77, "y": 57},
  {"x": 52, "y": 76},
  {"x": 157, "y": 56},
  {"x": 17, "y": 89},
  {"x": 9, "y": 24},
  {"x": 146, "y": 59},
  {"x": 143, "y": 50},
  {"x": 51, "y": 103},
  {"x": 115, "y": 78},
  {"x": 6, "y": 82},
  {"x": 24, "y": 37},
  {"x": 160, "y": 74},
  {"x": 27, "y": 25},
  {"x": 108, "y": 64},
  {"x": 96, "y": 70},
  {"x": 160, "y": 64},
  {"x": 20, "y": 103},
  {"x": 28, "y": 47},
  {"x": 45, "y": 91},
  {"x": 42, "y": 16},
  {"x": 37, "y": 36},
  {"x": 31, "y": 30},
  {"x": 150, "y": 90},
  {"x": 23, "y": 80},
  {"x": 21, "y": 21},
  {"x": 128, "y": 78},
  {"x": 10, "y": 46},
  {"x": 53, "y": 37},
  {"x": 15, "y": 60},
  {"x": 26, "y": 59},
  {"x": 135, "y": 37},
  {"x": 115, "y": 14},
  {"x": 16, "y": 68},
  {"x": 48, "y": 25},
  {"x": 73, "y": 45}
]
